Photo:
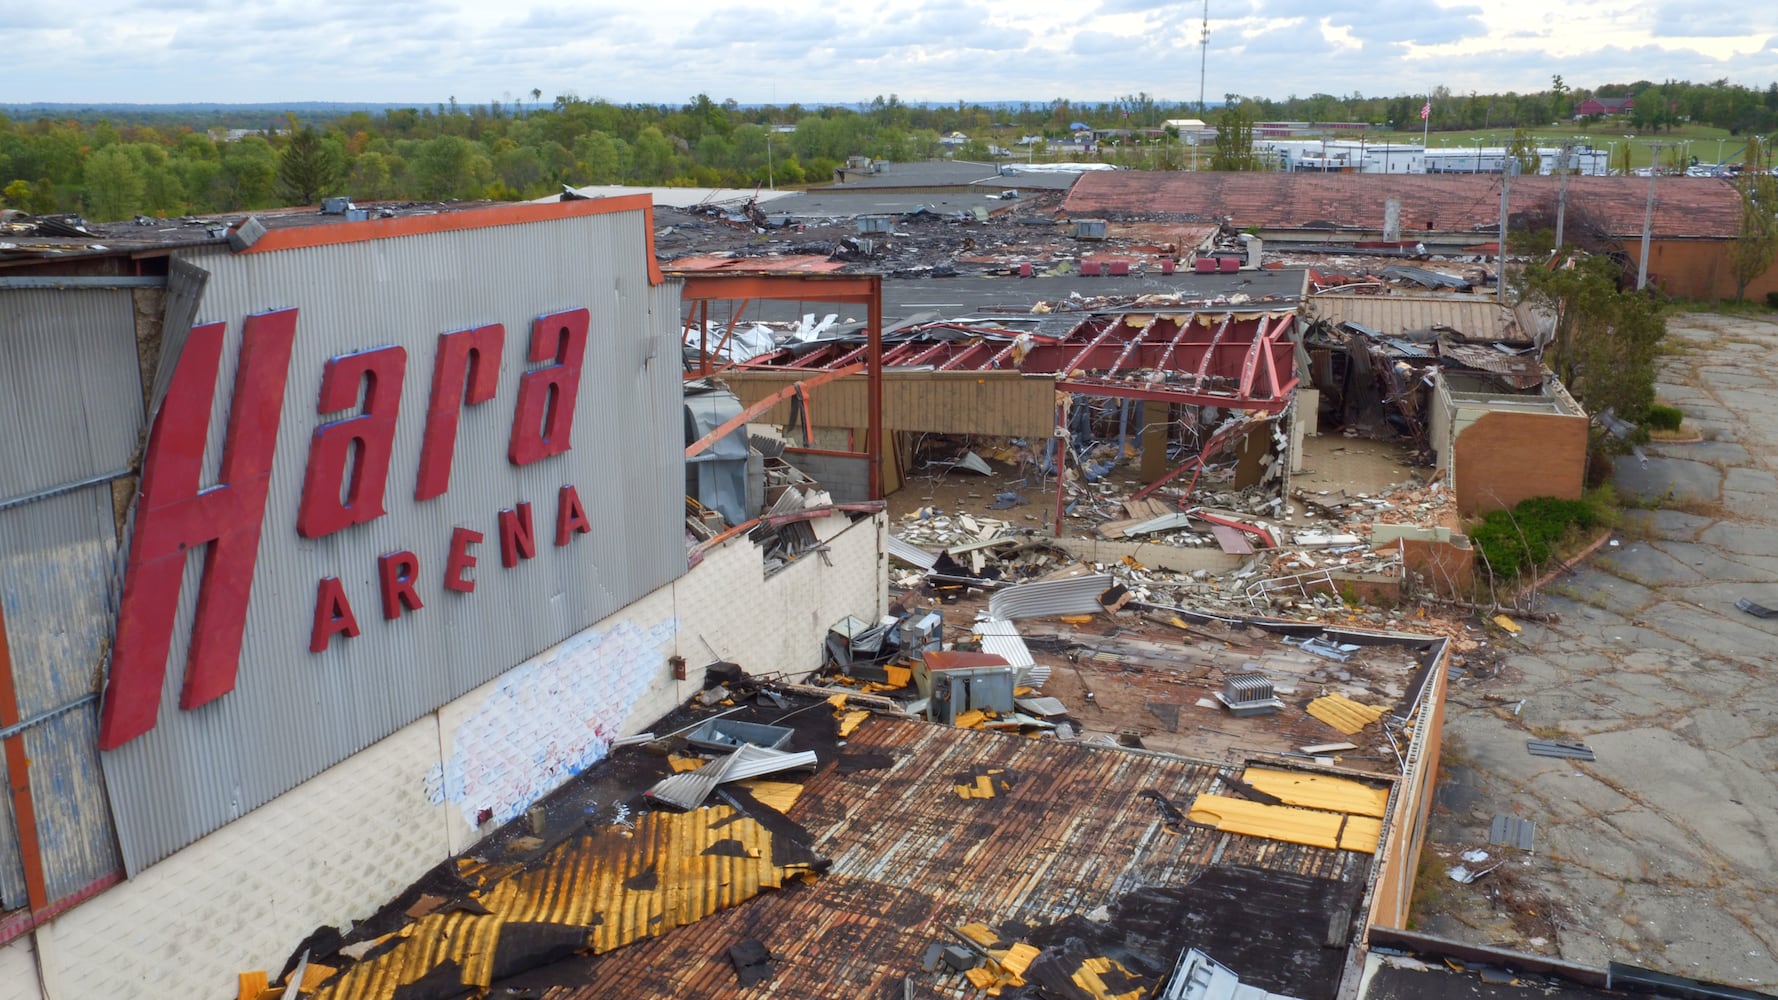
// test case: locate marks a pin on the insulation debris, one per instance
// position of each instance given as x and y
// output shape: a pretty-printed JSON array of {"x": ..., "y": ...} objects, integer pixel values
[
  {"x": 1310, "y": 827},
  {"x": 1344, "y": 714},
  {"x": 593, "y": 893}
]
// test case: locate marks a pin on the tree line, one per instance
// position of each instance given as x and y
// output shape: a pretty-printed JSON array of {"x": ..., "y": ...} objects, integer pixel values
[{"x": 160, "y": 164}]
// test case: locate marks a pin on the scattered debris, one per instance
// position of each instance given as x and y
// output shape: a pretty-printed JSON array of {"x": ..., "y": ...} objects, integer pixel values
[{"x": 1551, "y": 748}]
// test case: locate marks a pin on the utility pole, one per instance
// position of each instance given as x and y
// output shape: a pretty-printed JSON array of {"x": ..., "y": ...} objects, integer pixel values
[
  {"x": 1648, "y": 213},
  {"x": 1508, "y": 167},
  {"x": 1562, "y": 190}
]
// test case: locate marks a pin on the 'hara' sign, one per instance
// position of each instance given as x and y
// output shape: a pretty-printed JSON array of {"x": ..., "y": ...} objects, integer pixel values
[{"x": 345, "y": 482}]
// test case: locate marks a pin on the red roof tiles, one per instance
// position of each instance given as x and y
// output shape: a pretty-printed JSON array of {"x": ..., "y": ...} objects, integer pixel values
[{"x": 1685, "y": 207}]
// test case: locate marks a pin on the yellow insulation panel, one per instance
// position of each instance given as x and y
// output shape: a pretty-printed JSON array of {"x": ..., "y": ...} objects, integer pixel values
[
  {"x": 1287, "y": 823},
  {"x": 1319, "y": 791},
  {"x": 675, "y": 869},
  {"x": 1343, "y": 713}
]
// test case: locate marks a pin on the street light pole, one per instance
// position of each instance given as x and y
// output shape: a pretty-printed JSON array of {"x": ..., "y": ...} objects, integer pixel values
[{"x": 1648, "y": 213}]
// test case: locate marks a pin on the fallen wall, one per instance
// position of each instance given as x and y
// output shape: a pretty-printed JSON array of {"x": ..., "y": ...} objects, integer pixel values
[{"x": 336, "y": 847}]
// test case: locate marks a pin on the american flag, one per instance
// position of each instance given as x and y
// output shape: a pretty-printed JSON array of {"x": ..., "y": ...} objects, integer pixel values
[{"x": 1426, "y": 111}]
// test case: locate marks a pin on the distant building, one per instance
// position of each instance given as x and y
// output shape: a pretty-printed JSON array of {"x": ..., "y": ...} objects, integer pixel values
[{"x": 1595, "y": 107}]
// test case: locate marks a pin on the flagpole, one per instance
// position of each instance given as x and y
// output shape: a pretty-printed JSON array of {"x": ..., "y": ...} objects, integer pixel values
[{"x": 1426, "y": 124}]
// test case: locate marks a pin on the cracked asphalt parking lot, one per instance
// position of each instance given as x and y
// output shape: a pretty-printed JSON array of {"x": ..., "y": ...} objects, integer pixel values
[{"x": 1663, "y": 853}]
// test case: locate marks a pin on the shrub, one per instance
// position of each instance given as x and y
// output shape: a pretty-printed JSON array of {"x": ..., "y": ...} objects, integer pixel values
[
  {"x": 1772, "y": 299},
  {"x": 1664, "y": 418},
  {"x": 1527, "y": 535}
]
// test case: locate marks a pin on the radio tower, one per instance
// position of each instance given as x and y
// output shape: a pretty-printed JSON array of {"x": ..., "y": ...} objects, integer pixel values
[{"x": 1203, "y": 59}]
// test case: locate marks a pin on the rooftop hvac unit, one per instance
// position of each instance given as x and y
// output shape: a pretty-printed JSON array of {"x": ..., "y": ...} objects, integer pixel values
[
  {"x": 1089, "y": 229},
  {"x": 1248, "y": 694},
  {"x": 876, "y": 224}
]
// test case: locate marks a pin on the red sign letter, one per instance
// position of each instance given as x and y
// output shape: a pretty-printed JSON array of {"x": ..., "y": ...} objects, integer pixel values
[
  {"x": 396, "y": 571},
  {"x": 571, "y": 517},
  {"x": 517, "y": 540},
  {"x": 544, "y": 419},
  {"x": 364, "y": 441},
  {"x": 333, "y": 613},
  {"x": 460, "y": 560},
  {"x": 472, "y": 353},
  {"x": 174, "y": 514}
]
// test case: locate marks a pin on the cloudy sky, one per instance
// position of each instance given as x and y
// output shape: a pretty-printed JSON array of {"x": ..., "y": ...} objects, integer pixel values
[{"x": 426, "y": 51}]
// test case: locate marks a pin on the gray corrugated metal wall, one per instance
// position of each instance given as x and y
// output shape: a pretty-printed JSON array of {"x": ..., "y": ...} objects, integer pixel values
[
  {"x": 71, "y": 400},
  {"x": 293, "y": 713}
]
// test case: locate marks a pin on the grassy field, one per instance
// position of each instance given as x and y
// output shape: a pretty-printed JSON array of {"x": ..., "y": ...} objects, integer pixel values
[{"x": 1706, "y": 143}]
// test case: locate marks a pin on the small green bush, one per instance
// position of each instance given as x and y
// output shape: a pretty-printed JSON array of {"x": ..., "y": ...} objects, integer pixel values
[
  {"x": 1772, "y": 299},
  {"x": 1527, "y": 535},
  {"x": 1664, "y": 418}
]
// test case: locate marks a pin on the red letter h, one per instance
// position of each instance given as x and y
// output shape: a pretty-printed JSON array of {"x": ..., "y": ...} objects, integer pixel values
[{"x": 173, "y": 514}]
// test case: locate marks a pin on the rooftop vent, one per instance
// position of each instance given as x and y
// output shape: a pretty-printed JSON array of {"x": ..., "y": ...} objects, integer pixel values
[{"x": 1248, "y": 694}]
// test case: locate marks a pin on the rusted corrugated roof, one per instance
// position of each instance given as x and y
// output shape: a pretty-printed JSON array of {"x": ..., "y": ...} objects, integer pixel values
[
  {"x": 802, "y": 264},
  {"x": 1470, "y": 317},
  {"x": 1067, "y": 830},
  {"x": 1439, "y": 203},
  {"x": 596, "y": 892}
]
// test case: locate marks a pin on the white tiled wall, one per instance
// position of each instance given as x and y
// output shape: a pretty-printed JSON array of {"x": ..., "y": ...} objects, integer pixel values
[{"x": 18, "y": 971}]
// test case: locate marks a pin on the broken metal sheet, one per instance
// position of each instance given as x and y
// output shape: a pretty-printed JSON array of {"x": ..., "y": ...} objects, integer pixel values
[
  {"x": 1165, "y": 522},
  {"x": 911, "y": 554},
  {"x": 1042, "y": 706},
  {"x": 973, "y": 462},
  {"x": 689, "y": 789},
  {"x": 1551, "y": 748},
  {"x": 1047, "y": 598},
  {"x": 1002, "y": 638},
  {"x": 1231, "y": 540},
  {"x": 1511, "y": 831},
  {"x": 1756, "y": 610},
  {"x": 1426, "y": 277}
]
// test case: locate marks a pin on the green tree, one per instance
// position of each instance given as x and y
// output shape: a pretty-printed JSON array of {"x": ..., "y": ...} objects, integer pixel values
[
  {"x": 1234, "y": 139},
  {"x": 248, "y": 177},
  {"x": 1606, "y": 338},
  {"x": 308, "y": 167},
  {"x": 113, "y": 187},
  {"x": 1756, "y": 244},
  {"x": 16, "y": 194}
]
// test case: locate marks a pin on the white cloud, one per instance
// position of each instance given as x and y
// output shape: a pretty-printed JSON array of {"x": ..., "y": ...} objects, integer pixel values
[{"x": 812, "y": 51}]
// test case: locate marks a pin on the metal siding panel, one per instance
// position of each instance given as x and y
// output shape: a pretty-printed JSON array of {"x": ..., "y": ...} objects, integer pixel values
[
  {"x": 74, "y": 831},
  {"x": 56, "y": 564},
  {"x": 69, "y": 379},
  {"x": 185, "y": 292},
  {"x": 12, "y": 869},
  {"x": 293, "y": 713}
]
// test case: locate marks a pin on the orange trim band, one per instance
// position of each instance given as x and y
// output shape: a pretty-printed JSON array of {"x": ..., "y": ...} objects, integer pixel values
[{"x": 299, "y": 237}]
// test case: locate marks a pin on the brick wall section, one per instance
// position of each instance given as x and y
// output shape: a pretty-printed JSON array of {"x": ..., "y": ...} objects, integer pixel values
[
  {"x": 1445, "y": 569},
  {"x": 1699, "y": 269},
  {"x": 1503, "y": 458},
  {"x": 338, "y": 846},
  {"x": 18, "y": 971}
]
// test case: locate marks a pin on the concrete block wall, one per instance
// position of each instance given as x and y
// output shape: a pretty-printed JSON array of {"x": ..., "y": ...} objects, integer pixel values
[
  {"x": 777, "y": 623},
  {"x": 18, "y": 970},
  {"x": 330, "y": 850},
  {"x": 338, "y": 846}
]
